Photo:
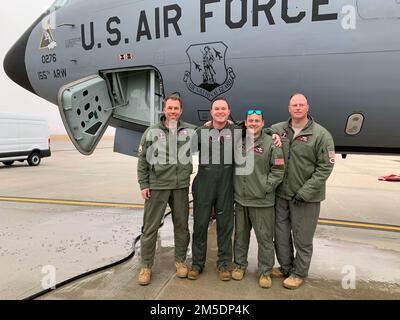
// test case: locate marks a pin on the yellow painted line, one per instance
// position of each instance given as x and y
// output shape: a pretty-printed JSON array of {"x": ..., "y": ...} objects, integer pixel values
[
  {"x": 71, "y": 202},
  {"x": 359, "y": 225},
  {"x": 62, "y": 137},
  {"x": 141, "y": 206}
]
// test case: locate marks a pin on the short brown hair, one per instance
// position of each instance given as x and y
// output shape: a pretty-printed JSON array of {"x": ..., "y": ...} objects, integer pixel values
[
  {"x": 174, "y": 97},
  {"x": 222, "y": 99}
]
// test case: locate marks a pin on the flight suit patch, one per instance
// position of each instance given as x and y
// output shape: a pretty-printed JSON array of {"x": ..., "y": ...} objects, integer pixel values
[
  {"x": 285, "y": 135},
  {"x": 302, "y": 138},
  {"x": 162, "y": 136},
  {"x": 259, "y": 150},
  {"x": 221, "y": 138},
  {"x": 279, "y": 162},
  {"x": 225, "y": 137}
]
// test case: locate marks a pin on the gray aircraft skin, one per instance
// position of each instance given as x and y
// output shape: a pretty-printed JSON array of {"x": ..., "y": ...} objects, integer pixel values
[{"x": 111, "y": 62}]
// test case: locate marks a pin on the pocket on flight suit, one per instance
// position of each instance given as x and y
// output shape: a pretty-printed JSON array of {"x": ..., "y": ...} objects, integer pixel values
[{"x": 161, "y": 170}]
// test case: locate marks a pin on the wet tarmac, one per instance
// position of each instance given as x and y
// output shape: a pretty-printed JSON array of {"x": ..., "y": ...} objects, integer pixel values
[
  {"x": 333, "y": 261},
  {"x": 72, "y": 238}
]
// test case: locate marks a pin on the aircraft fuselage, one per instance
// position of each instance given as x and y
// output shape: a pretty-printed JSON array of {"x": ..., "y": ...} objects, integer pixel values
[{"x": 344, "y": 55}]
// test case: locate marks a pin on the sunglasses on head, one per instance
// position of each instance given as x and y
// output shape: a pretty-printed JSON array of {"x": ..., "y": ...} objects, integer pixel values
[{"x": 254, "y": 111}]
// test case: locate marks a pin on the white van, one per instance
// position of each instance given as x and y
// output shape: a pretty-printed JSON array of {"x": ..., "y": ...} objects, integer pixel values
[{"x": 23, "y": 138}]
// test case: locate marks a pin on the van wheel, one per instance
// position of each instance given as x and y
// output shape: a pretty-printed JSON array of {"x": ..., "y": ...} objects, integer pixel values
[
  {"x": 8, "y": 163},
  {"x": 34, "y": 159}
]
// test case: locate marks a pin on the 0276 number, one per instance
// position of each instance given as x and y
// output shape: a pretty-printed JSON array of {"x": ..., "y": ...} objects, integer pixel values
[{"x": 49, "y": 58}]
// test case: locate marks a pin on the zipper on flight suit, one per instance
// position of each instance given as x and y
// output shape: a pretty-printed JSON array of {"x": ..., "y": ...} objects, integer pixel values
[
  {"x": 290, "y": 150},
  {"x": 288, "y": 161},
  {"x": 177, "y": 160}
]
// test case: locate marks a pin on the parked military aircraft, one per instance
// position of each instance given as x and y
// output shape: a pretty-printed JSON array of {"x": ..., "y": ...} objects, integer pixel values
[{"x": 111, "y": 62}]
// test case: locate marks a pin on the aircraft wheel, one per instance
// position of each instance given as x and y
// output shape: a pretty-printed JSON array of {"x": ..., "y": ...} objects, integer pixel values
[{"x": 8, "y": 163}]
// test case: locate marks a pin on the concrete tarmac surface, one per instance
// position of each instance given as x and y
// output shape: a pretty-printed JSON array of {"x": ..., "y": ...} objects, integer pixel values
[{"x": 75, "y": 213}]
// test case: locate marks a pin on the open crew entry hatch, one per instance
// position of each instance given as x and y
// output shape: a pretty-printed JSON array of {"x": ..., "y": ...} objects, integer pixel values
[{"x": 130, "y": 100}]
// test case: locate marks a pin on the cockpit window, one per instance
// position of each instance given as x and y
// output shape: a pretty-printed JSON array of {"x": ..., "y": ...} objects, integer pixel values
[{"x": 59, "y": 4}]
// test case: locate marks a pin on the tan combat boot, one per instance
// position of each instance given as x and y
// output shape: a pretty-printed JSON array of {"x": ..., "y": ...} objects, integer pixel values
[
  {"x": 277, "y": 273},
  {"x": 238, "y": 273},
  {"x": 224, "y": 274},
  {"x": 265, "y": 282},
  {"x": 193, "y": 274},
  {"x": 181, "y": 269},
  {"x": 292, "y": 282},
  {"x": 144, "y": 276}
]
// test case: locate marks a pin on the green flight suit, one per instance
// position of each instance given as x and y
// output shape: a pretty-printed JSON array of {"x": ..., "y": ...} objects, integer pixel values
[
  {"x": 309, "y": 159},
  {"x": 254, "y": 201},
  {"x": 213, "y": 187},
  {"x": 165, "y": 167}
]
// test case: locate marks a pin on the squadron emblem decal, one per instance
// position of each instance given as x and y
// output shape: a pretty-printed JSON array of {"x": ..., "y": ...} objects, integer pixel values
[
  {"x": 47, "y": 40},
  {"x": 208, "y": 76}
]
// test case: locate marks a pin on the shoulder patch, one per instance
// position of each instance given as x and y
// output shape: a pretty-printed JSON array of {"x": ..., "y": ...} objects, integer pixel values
[{"x": 332, "y": 156}]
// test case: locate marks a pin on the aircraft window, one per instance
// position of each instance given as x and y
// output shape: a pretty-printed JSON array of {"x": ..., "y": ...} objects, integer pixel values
[{"x": 382, "y": 9}]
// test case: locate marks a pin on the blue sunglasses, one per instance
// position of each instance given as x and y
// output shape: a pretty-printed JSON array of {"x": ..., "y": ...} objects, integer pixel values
[{"x": 252, "y": 111}]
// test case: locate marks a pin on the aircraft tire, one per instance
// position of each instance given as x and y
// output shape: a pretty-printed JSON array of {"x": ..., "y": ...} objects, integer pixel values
[{"x": 8, "y": 163}]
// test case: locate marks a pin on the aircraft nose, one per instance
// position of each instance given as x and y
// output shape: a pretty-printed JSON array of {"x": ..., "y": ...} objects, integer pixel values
[{"x": 14, "y": 63}]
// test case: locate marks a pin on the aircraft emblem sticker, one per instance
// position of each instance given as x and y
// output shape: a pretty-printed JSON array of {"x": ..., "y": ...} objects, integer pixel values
[
  {"x": 47, "y": 40},
  {"x": 208, "y": 76}
]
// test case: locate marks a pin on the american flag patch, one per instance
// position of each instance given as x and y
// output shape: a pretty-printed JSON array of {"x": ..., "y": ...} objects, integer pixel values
[
  {"x": 126, "y": 56},
  {"x": 279, "y": 162},
  {"x": 332, "y": 156}
]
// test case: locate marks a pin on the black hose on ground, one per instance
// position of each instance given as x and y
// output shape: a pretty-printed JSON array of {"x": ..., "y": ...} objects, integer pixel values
[{"x": 91, "y": 272}]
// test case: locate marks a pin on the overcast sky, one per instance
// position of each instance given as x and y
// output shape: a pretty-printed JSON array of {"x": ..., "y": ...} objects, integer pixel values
[{"x": 15, "y": 17}]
